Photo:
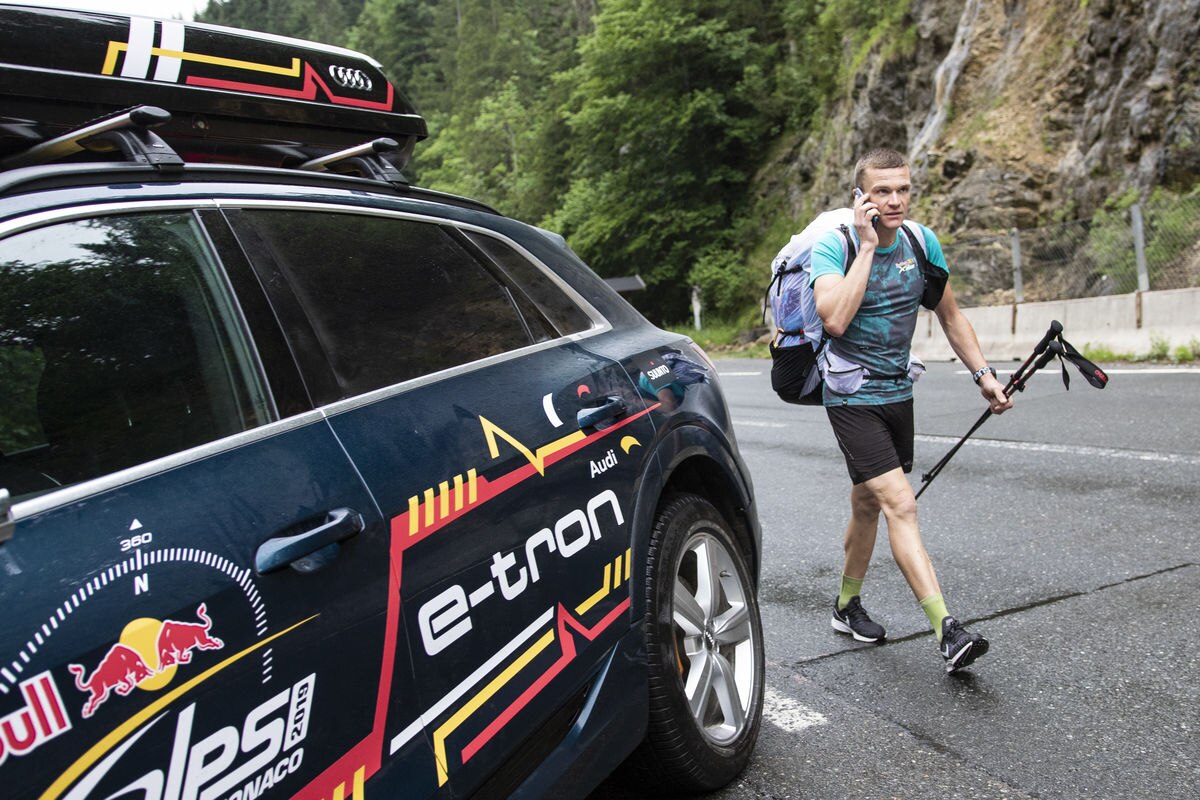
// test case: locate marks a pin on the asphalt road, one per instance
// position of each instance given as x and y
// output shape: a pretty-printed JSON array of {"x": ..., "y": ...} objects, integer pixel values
[{"x": 1065, "y": 531}]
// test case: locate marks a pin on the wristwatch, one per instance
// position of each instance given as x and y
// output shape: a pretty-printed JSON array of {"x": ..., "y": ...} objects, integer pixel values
[{"x": 977, "y": 376}]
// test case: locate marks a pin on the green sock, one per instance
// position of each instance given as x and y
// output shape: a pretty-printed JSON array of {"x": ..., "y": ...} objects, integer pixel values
[
  {"x": 850, "y": 588},
  {"x": 935, "y": 608}
]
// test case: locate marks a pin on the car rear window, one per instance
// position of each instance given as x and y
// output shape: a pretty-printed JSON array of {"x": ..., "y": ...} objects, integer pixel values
[
  {"x": 562, "y": 311},
  {"x": 119, "y": 343}
]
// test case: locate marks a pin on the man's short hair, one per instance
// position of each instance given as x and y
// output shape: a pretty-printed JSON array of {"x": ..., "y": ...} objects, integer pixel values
[{"x": 881, "y": 158}]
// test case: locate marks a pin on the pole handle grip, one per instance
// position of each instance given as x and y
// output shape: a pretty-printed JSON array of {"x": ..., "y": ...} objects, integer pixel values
[
  {"x": 1053, "y": 348},
  {"x": 1051, "y": 333}
]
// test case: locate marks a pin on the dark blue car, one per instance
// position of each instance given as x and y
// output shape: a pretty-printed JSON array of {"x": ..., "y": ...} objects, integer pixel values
[{"x": 317, "y": 484}]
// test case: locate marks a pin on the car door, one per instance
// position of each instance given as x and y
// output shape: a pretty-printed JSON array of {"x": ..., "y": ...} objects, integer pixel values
[
  {"x": 194, "y": 576},
  {"x": 455, "y": 388}
]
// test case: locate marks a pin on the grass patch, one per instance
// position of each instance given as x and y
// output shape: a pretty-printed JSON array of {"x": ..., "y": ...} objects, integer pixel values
[
  {"x": 726, "y": 339},
  {"x": 1160, "y": 351},
  {"x": 1100, "y": 353}
]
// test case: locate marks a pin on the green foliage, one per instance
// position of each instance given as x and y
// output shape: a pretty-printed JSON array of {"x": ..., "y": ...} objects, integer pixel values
[
  {"x": 719, "y": 274},
  {"x": 827, "y": 42},
  {"x": 1171, "y": 227},
  {"x": 318, "y": 20},
  {"x": 1183, "y": 353},
  {"x": 663, "y": 128},
  {"x": 1160, "y": 350},
  {"x": 1173, "y": 222},
  {"x": 725, "y": 337}
]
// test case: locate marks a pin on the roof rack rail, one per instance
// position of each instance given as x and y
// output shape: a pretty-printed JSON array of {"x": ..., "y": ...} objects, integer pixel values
[
  {"x": 363, "y": 160},
  {"x": 126, "y": 131},
  {"x": 235, "y": 96}
]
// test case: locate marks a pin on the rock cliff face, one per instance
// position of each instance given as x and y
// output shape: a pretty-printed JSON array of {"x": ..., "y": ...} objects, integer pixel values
[{"x": 1018, "y": 113}]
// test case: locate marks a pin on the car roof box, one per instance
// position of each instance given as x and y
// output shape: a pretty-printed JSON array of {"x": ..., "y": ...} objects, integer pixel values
[{"x": 233, "y": 96}]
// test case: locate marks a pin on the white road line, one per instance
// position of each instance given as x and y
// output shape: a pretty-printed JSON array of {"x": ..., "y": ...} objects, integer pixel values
[
  {"x": 1029, "y": 447},
  {"x": 1070, "y": 449},
  {"x": 788, "y": 715},
  {"x": 1130, "y": 371}
]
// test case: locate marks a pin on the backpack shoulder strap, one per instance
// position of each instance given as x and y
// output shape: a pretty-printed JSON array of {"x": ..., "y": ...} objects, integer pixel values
[
  {"x": 851, "y": 249},
  {"x": 934, "y": 277},
  {"x": 917, "y": 240}
]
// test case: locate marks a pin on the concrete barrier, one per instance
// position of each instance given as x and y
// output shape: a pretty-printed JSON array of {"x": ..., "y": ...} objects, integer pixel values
[{"x": 1125, "y": 323}]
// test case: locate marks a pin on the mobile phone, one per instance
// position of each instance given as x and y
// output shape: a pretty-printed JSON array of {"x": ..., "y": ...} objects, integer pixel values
[{"x": 875, "y": 219}]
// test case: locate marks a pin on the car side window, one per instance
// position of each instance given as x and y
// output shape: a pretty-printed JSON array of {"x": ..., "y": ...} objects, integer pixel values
[
  {"x": 119, "y": 343},
  {"x": 561, "y": 310},
  {"x": 389, "y": 299}
]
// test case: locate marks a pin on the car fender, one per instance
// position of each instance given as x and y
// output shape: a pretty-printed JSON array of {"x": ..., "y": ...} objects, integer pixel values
[{"x": 692, "y": 457}]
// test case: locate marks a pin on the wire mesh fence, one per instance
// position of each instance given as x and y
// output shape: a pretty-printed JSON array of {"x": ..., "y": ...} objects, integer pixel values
[{"x": 1147, "y": 246}]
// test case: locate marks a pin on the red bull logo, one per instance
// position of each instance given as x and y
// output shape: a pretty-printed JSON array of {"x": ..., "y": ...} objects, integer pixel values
[
  {"x": 177, "y": 640},
  {"x": 145, "y": 657},
  {"x": 41, "y": 719},
  {"x": 121, "y": 670}
]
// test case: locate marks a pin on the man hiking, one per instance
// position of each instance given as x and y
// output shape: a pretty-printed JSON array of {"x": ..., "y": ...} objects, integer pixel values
[{"x": 869, "y": 308}]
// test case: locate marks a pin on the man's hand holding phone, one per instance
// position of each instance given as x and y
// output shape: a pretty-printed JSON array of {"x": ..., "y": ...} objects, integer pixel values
[{"x": 865, "y": 210}]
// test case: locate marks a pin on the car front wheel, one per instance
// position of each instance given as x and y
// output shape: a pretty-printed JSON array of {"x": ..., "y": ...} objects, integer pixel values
[{"x": 704, "y": 651}]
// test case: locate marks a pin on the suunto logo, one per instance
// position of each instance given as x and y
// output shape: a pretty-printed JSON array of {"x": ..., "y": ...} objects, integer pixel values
[{"x": 350, "y": 78}]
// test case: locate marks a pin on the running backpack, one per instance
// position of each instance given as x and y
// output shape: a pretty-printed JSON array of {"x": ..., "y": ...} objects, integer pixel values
[{"x": 799, "y": 335}]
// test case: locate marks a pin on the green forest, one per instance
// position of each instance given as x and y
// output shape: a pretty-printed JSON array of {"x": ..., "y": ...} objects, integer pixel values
[{"x": 632, "y": 127}]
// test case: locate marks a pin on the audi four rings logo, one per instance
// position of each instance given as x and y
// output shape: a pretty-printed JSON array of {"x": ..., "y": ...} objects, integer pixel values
[{"x": 350, "y": 78}]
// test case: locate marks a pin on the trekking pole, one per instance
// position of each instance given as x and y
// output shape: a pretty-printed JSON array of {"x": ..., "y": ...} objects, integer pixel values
[
  {"x": 1046, "y": 349},
  {"x": 1053, "y": 332}
]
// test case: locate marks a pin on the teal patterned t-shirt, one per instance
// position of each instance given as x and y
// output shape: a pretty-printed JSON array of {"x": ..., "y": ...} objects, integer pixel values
[{"x": 880, "y": 335}]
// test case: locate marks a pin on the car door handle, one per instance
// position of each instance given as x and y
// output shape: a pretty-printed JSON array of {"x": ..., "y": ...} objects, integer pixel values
[
  {"x": 612, "y": 407},
  {"x": 339, "y": 524}
]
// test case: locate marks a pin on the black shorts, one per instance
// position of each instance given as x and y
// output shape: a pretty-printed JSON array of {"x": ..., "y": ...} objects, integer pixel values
[{"x": 874, "y": 439}]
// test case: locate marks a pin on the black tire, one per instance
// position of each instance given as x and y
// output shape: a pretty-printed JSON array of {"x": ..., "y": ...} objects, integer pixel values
[{"x": 704, "y": 652}]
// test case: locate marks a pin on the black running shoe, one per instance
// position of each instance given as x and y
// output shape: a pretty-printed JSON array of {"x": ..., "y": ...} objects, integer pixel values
[
  {"x": 854, "y": 620},
  {"x": 959, "y": 646}
]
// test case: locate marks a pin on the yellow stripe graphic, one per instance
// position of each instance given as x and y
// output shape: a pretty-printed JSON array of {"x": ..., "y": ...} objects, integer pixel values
[
  {"x": 538, "y": 460},
  {"x": 414, "y": 508},
  {"x": 441, "y": 503},
  {"x": 613, "y": 579},
  {"x": 428, "y": 507},
  {"x": 114, "y": 48},
  {"x": 448, "y": 727},
  {"x": 583, "y": 607}
]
